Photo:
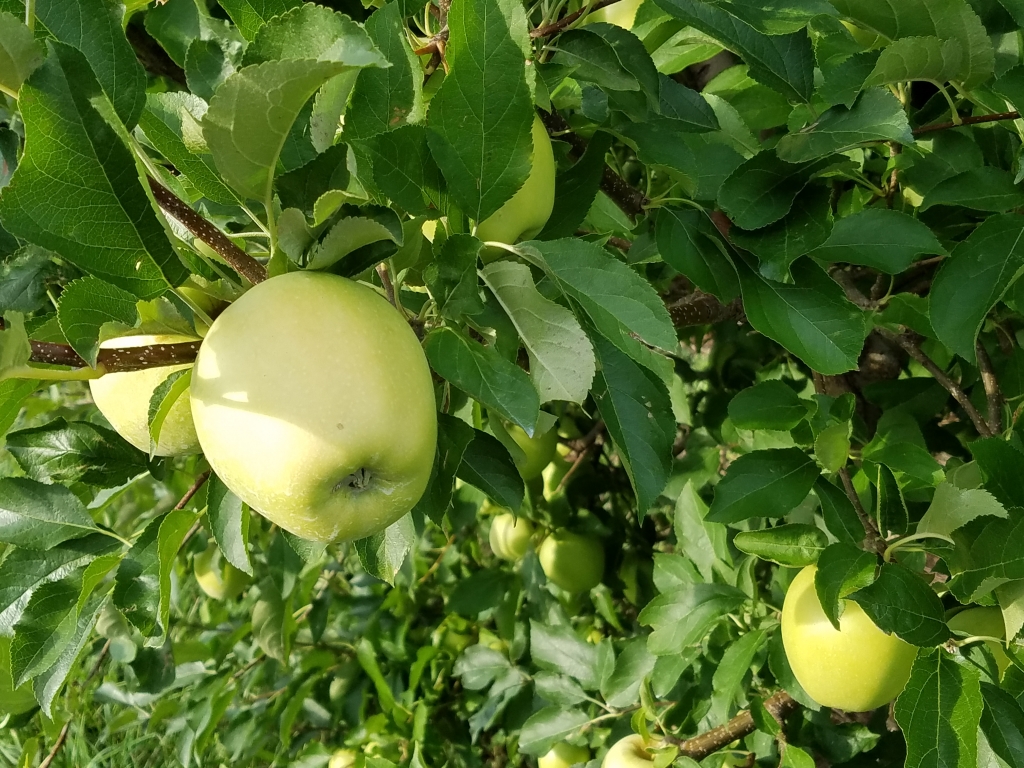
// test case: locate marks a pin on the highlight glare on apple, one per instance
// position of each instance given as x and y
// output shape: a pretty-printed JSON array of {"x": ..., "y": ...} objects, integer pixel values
[
  {"x": 572, "y": 561},
  {"x": 524, "y": 215},
  {"x": 313, "y": 402},
  {"x": 123, "y": 398},
  {"x": 856, "y": 668},
  {"x": 563, "y": 755},
  {"x": 510, "y": 536}
]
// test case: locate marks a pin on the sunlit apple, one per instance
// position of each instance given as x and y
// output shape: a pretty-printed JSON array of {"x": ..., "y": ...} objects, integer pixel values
[
  {"x": 572, "y": 561},
  {"x": 314, "y": 404},
  {"x": 630, "y": 752},
  {"x": 539, "y": 450},
  {"x": 510, "y": 536},
  {"x": 563, "y": 755},
  {"x": 855, "y": 668},
  {"x": 216, "y": 576}
]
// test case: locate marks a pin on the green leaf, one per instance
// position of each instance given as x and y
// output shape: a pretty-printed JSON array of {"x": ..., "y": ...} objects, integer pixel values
[
  {"x": 793, "y": 545},
  {"x": 944, "y": 19},
  {"x": 229, "y": 523},
  {"x": 727, "y": 681},
  {"x": 172, "y": 124},
  {"x": 452, "y": 277},
  {"x": 15, "y": 350},
  {"x": 782, "y": 62},
  {"x": 65, "y": 113},
  {"x": 94, "y": 27},
  {"x": 634, "y": 663},
  {"x": 137, "y": 581},
  {"x": 384, "y": 99},
  {"x": 207, "y": 65},
  {"x": 689, "y": 243},
  {"x": 593, "y": 59},
  {"x": 251, "y": 114},
  {"x": 272, "y": 623},
  {"x": 838, "y": 512},
  {"x": 86, "y": 306},
  {"x": 382, "y": 554},
  {"x": 885, "y": 240},
  {"x": 918, "y": 58},
  {"x": 487, "y": 465},
  {"x": 453, "y": 437},
  {"x": 548, "y": 726},
  {"x": 76, "y": 451},
  {"x": 48, "y": 683},
  {"x": 993, "y": 558},
  {"x": 484, "y": 375},
  {"x": 876, "y": 116},
  {"x": 13, "y": 393},
  {"x": 346, "y": 239},
  {"x": 561, "y": 357},
  {"x": 832, "y": 446},
  {"x": 305, "y": 186},
  {"x": 794, "y": 757},
  {"x": 973, "y": 279},
  {"x": 38, "y": 516},
  {"x": 899, "y": 601},
  {"x": 25, "y": 570},
  {"x": 576, "y": 189},
  {"x": 250, "y": 15},
  {"x": 939, "y": 711},
  {"x": 23, "y": 279},
  {"x": 981, "y": 189},
  {"x": 891, "y": 514},
  {"x": 842, "y": 570},
  {"x": 762, "y": 189},
  {"x": 311, "y": 31},
  {"x": 47, "y": 623},
  {"x": 768, "y": 405},
  {"x": 20, "y": 55},
  {"x": 1002, "y": 465},
  {"x": 952, "y": 508},
  {"x": 559, "y": 649},
  {"x": 683, "y": 617},
  {"x": 704, "y": 543},
  {"x": 778, "y": 245},
  {"x": 166, "y": 394},
  {"x": 637, "y": 411},
  {"x": 812, "y": 319},
  {"x": 621, "y": 303},
  {"x": 768, "y": 483},
  {"x": 480, "y": 119},
  {"x": 1002, "y": 721}
]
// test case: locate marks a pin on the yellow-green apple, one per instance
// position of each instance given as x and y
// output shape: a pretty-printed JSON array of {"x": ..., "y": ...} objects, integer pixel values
[
  {"x": 621, "y": 14},
  {"x": 528, "y": 210},
  {"x": 563, "y": 755},
  {"x": 572, "y": 561},
  {"x": 216, "y": 576},
  {"x": 555, "y": 471},
  {"x": 855, "y": 668},
  {"x": 314, "y": 404},
  {"x": 123, "y": 398},
  {"x": 630, "y": 752},
  {"x": 539, "y": 450},
  {"x": 510, "y": 537},
  {"x": 342, "y": 758},
  {"x": 984, "y": 622}
]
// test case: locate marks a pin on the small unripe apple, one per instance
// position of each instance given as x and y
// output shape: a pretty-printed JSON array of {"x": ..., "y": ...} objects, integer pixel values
[
  {"x": 528, "y": 210},
  {"x": 564, "y": 755},
  {"x": 621, "y": 14},
  {"x": 314, "y": 404},
  {"x": 123, "y": 398},
  {"x": 342, "y": 758},
  {"x": 555, "y": 471},
  {"x": 630, "y": 752},
  {"x": 539, "y": 450},
  {"x": 510, "y": 537},
  {"x": 856, "y": 668},
  {"x": 216, "y": 576},
  {"x": 573, "y": 562},
  {"x": 984, "y": 622}
]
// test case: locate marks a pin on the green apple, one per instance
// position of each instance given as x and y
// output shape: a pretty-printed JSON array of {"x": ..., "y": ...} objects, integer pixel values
[
  {"x": 510, "y": 537},
  {"x": 984, "y": 622},
  {"x": 528, "y": 210},
  {"x": 855, "y": 668},
  {"x": 123, "y": 398},
  {"x": 13, "y": 701},
  {"x": 563, "y": 755},
  {"x": 539, "y": 450},
  {"x": 314, "y": 404},
  {"x": 216, "y": 576},
  {"x": 621, "y": 14},
  {"x": 573, "y": 562},
  {"x": 630, "y": 752},
  {"x": 555, "y": 471},
  {"x": 342, "y": 758}
]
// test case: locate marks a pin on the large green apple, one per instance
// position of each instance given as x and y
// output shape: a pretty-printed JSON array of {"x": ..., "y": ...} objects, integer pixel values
[
  {"x": 510, "y": 537},
  {"x": 314, "y": 404},
  {"x": 855, "y": 668},
  {"x": 563, "y": 755},
  {"x": 539, "y": 450},
  {"x": 573, "y": 562},
  {"x": 216, "y": 576},
  {"x": 528, "y": 210},
  {"x": 621, "y": 14},
  {"x": 630, "y": 752},
  {"x": 984, "y": 622},
  {"x": 124, "y": 399}
]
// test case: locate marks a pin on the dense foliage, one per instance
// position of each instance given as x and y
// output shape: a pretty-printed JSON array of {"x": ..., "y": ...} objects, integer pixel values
[{"x": 773, "y": 320}]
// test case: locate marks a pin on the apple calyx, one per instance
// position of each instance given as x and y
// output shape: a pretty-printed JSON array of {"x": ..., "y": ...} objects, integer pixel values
[{"x": 356, "y": 481}]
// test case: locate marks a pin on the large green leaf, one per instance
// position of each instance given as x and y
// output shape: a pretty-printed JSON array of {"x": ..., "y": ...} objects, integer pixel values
[
  {"x": 40, "y": 516},
  {"x": 20, "y": 55},
  {"x": 689, "y": 242},
  {"x": 879, "y": 238},
  {"x": 251, "y": 15},
  {"x": 762, "y": 190},
  {"x": 899, "y": 601},
  {"x": 768, "y": 483},
  {"x": 90, "y": 306},
  {"x": 918, "y": 58}
]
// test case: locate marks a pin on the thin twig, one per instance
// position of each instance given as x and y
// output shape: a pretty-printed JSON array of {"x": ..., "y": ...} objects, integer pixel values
[
  {"x": 240, "y": 261},
  {"x": 550, "y": 29},
  {"x": 117, "y": 359},
  {"x": 185, "y": 500},
  {"x": 992, "y": 391},
  {"x": 780, "y": 706},
  {"x": 913, "y": 348},
  {"x": 63, "y": 735},
  {"x": 872, "y": 538},
  {"x": 970, "y": 120},
  {"x": 437, "y": 563},
  {"x": 385, "y": 280},
  {"x": 582, "y": 449}
]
